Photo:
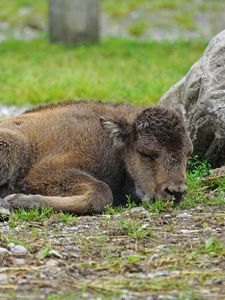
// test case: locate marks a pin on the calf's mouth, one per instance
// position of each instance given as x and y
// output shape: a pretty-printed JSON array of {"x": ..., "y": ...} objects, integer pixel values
[{"x": 176, "y": 196}]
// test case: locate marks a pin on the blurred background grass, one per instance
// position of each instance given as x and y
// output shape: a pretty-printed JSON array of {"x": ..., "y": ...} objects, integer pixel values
[
  {"x": 115, "y": 70},
  {"x": 135, "y": 63}
]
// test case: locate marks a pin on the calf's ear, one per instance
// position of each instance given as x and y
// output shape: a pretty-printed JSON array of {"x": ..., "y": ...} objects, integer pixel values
[{"x": 117, "y": 128}]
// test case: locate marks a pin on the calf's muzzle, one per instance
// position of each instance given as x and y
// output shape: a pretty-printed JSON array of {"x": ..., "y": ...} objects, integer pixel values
[{"x": 177, "y": 191}]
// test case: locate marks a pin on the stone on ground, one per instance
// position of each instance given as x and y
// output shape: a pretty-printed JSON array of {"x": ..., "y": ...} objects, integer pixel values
[{"x": 202, "y": 93}]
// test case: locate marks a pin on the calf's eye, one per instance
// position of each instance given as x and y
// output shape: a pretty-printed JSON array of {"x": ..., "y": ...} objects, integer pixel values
[{"x": 151, "y": 156}]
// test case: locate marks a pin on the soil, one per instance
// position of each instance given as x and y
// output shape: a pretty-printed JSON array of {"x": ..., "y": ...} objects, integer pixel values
[{"x": 169, "y": 255}]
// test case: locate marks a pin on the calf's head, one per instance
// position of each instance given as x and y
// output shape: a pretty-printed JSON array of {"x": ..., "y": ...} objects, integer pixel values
[{"x": 156, "y": 148}]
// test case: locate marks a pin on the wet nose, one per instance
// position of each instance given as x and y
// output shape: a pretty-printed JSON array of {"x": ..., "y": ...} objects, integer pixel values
[{"x": 177, "y": 191}]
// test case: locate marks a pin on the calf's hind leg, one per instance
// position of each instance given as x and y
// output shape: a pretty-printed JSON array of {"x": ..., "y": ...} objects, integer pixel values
[
  {"x": 80, "y": 193},
  {"x": 13, "y": 156}
]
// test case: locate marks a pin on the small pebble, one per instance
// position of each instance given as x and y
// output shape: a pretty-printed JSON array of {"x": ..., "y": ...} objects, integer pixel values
[
  {"x": 138, "y": 209},
  {"x": 188, "y": 231},
  {"x": 10, "y": 246},
  {"x": 19, "y": 261},
  {"x": 167, "y": 216},
  {"x": 3, "y": 251},
  {"x": 3, "y": 277},
  {"x": 145, "y": 226},
  {"x": 199, "y": 208},
  {"x": 160, "y": 247},
  {"x": 183, "y": 215},
  {"x": 162, "y": 273},
  {"x": 154, "y": 256},
  {"x": 19, "y": 250},
  {"x": 51, "y": 263}
]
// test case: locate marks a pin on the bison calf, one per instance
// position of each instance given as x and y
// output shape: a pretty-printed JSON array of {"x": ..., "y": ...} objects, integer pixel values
[{"x": 80, "y": 156}]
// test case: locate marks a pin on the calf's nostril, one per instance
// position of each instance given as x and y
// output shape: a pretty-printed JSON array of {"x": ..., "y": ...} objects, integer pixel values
[
  {"x": 177, "y": 195},
  {"x": 182, "y": 181}
]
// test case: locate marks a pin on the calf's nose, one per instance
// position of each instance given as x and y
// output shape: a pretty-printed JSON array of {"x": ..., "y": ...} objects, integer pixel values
[{"x": 177, "y": 191}]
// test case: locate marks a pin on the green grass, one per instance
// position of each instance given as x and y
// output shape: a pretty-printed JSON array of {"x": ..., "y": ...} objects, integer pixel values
[
  {"x": 200, "y": 192},
  {"x": 116, "y": 8},
  {"x": 10, "y": 12},
  {"x": 36, "y": 72},
  {"x": 138, "y": 27},
  {"x": 185, "y": 20},
  {"x": 38, "y": 215},
  {"x": 133, "y": 229},
  {"x": 33, "y": 215}
]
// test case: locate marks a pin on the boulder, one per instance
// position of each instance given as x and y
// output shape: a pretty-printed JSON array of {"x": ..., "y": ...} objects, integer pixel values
[{"x": 202, "y": 93}]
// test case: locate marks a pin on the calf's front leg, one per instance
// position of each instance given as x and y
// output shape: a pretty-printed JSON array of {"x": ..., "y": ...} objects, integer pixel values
[{"x": 93, "y": 196}]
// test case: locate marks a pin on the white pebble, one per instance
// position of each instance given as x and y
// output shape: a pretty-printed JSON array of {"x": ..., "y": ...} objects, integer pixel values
[
  {"x": 184, "y": 215},
  {"x": 139, "y": 209}
]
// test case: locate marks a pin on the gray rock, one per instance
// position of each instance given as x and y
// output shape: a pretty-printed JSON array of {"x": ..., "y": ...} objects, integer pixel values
[
  {"x": 4, "y": 211},
  {"x": 3, "y": 251},
  {"x": 19, "y": 250},
  {"x": 219, "y": 171},
  {"x": 202, "y": 93}
]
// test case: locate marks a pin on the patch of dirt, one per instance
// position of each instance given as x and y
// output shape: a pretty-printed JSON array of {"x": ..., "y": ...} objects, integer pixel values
[{"x": 178, "y": 254}]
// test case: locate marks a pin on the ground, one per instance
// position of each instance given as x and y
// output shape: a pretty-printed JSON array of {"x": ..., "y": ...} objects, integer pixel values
[
  {"x": 135, "y": 254},
  {"x": 154, "y": 251}
]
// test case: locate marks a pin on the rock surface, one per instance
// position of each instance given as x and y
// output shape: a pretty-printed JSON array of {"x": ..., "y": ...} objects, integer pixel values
[{"x": 202, "y": 93}]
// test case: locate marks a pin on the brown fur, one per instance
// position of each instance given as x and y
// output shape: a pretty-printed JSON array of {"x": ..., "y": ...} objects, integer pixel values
[{"x": 80, "y": 156}]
